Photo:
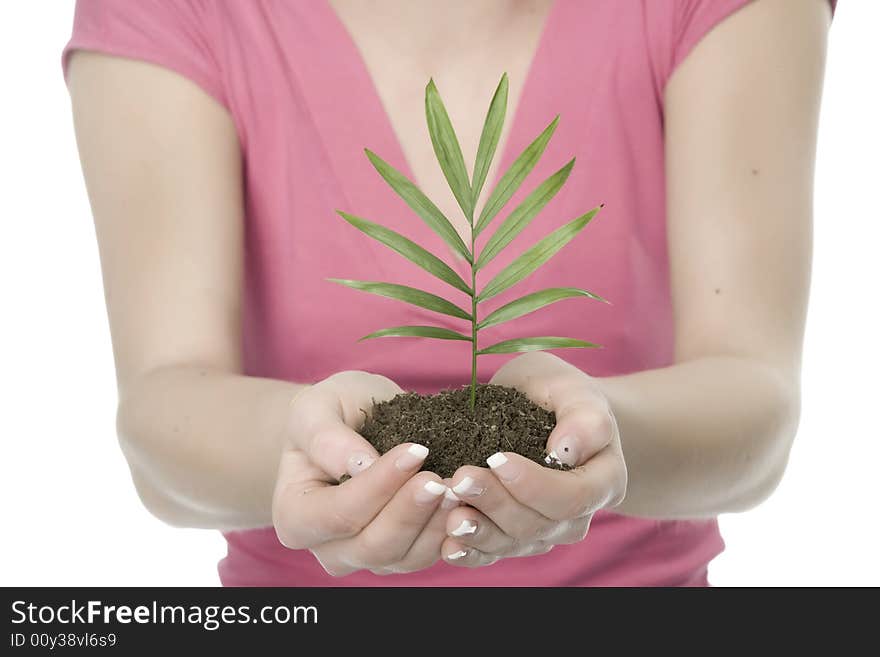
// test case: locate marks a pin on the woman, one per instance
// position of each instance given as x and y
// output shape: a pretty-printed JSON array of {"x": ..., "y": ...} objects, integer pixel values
[{"x": 218, "y": 138}]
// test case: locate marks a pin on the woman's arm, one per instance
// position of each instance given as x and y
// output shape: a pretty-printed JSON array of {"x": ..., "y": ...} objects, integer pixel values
[
  {"x": 162, "y": 166},
  {"x": 712, "y": 433},
  {"x": 207, "y": 446}
]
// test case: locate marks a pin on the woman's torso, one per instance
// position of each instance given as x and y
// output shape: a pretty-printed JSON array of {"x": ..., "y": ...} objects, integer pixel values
[
  {"x": 464, "y": 48},
  {"x": 306, "y": 105}
]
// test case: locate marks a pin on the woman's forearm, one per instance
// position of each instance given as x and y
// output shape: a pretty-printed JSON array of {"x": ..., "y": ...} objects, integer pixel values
[
  {"x": 700, "y": 438},
  {"x": 703, "y": 437},
  {"x": 203, "y": 445}
]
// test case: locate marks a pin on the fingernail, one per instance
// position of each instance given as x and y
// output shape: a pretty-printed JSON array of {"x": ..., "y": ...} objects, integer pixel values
[
  {"x": 466, "y": 527},
  {"x": 450, "y": 500},
  {"x": 457, "y": 555},
  {"x": 359, "y": 462},
  {"x": 429, "y": 492},
  {"x": 412, "y": 458},
  {"x": 467, "y": 487},
  {"x": 503, "y": 467},
  {"x": 566, "y": 450}
]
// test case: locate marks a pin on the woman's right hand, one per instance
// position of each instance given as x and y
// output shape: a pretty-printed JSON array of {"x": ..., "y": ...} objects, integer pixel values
[{"x": 388, "y": 518}]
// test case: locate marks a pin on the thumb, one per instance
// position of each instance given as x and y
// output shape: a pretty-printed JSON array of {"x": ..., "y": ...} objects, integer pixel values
[
  {"x": 339, "y": 450},
  {"x": 582, "y": 430},
  {"x": 325, "y": 416}
]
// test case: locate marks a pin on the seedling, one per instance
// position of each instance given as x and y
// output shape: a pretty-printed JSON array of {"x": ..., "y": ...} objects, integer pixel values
[{"x": 467, "y": 191}]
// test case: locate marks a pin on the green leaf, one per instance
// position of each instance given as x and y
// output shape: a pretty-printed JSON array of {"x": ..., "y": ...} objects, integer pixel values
[
  {"x": 406, "y": 294},
  {"x": 532, "y": 302},
  {"x": 523, "y": 214},
  {"x": 514, "y": 176},
  {"x": 536, "y": 256},
  {"x": 420, "y": 204},
  {"x": 489, "y": 139},
  {"x": 447, "y": 149},
  {"x": 536, "y": 344},
  {"x": 408, "y": 249},
  {"x": 417, "y": 332}
]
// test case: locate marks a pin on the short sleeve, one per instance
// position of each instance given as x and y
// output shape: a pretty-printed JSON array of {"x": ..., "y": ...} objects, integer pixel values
[
  {"x": 675, "y": 27},
  {"x": 174, "y": 34},
  {"x": 696, "y": 18}
]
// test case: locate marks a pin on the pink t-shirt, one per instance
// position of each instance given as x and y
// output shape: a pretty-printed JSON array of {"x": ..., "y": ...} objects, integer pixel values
[{"x": 305, "y": 107}]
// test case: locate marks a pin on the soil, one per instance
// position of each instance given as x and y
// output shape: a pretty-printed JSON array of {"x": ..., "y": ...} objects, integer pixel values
[{"x": 504, "y": 420}]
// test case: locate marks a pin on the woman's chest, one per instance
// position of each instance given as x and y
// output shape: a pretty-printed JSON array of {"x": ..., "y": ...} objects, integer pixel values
[
  {"x": 309, "y": 104},
  {"x": 465, "y": 48}
]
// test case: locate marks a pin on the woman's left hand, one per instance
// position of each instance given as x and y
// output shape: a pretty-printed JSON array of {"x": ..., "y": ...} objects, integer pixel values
[{"x": 520, "y": 508}]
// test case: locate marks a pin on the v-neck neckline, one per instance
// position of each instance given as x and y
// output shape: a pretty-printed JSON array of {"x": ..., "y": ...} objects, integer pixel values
[{"x": 503, "y": 154}]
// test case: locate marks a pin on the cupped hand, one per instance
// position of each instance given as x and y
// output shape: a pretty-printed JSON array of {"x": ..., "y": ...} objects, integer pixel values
[
  {"x": 388, "y": 518},
  {"x": 520, "y": 508}
]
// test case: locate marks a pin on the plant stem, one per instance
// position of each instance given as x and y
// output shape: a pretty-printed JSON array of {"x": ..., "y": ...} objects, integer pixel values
[
  {"x": 473, "y": 326},
  {"x": 470, "y": 219}
]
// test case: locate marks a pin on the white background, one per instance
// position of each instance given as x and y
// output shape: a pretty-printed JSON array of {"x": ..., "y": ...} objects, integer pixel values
[{"x": 70, "y": 515}]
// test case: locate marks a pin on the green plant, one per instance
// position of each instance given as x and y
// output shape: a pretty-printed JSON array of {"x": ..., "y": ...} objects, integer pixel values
[{"x": 466, "y": 192}]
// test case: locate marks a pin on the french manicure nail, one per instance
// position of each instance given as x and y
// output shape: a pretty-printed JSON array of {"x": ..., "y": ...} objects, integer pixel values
[
  {"x": 566, "y": 450},
  {"x": 457, "y": 555},
  {"x": 429, "y": 492},
  {"x": 450, "y": 500},
  {"x": 503, "y": 467},
  {"x": 412, "y": 458},
  {"x": 466, "y": 527},
  {"x": 467, "y": 487},
  {"x": 359, "y": 462}
]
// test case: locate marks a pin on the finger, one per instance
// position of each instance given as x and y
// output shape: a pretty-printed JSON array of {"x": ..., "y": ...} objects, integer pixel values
[
  {"x": 473, "y": 529},
  {"x": 561, "y": 495},
  {"x": 325, "y": 419},
  {"x": 479, "y": 488},
  {"x": 425, "y": 550},
  {"x": 307, "y": 512},
  {"x": 389, "y": 537},
  {"x": 339, "y": 450},
  {"x": 584, "y": 425},
  {"x": 296, "y": 471},
  {"x": 584, "y": 422},
  {"x": 457, "y": 554}
]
